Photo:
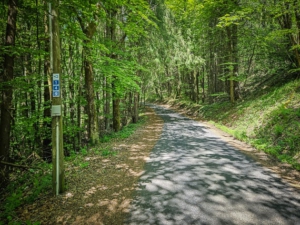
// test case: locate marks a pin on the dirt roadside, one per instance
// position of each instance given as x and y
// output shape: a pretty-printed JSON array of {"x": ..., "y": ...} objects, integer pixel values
[{"x": 99, "y": 193}]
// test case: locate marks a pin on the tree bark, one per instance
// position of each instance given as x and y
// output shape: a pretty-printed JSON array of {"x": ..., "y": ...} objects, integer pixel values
[
  {"x": 7, "y": 91},
  {"x": 116, "y": 109},
  {"x": 93, "y": 133},
  {"x": 135, "y": 115},
  {"x": 232, "y": 59},
  {"x": 93, "y": 128}
]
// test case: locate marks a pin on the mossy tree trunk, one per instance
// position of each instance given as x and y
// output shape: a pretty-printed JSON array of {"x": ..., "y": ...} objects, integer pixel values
[{"x": 7, "y": 90}]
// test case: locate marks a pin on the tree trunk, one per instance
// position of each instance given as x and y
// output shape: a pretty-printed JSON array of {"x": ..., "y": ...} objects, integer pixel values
[
  {"x": 135, "y": 115},
  {"x": 47, "y": 151},
  {"x": 116, "y": 109},
  {"x": 7, "y": 89},
  {"x": 231, "y": 32},
  {"x": 203, "y": 85},
  {"x": 93, "y": 129},
  {"x": 197, "y": 74},
  {"x": 93, "y": 133},
  {"x": 107, "y": 104}
]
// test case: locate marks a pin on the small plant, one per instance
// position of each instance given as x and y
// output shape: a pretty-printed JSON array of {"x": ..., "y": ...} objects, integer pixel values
[
  {"x": 96, "y": 152},
  {"x": 84, "y": 151},
  {"x": 105, "y": 139},
  {"x": 282, "y": 112},
  {"x": 298, "y": 112},
  {"x": 278, "y": 129},
  {"x": 84, "y": 164},
  {"x": 72, "y": 156},
  {"x": 107, "y": 152}
]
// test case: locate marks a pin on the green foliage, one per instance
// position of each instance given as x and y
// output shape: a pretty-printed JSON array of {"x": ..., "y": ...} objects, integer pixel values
[
  {"x": 84, "y": 151},
  {"x": 124, "y": 133},
  {"x": 84, "y": 164},
  {"x": 107, "y": 152},
  {"x": 25, "y": 189},
  {"x": 278, "y": 129},
  {"x": 105, "y": 139}
]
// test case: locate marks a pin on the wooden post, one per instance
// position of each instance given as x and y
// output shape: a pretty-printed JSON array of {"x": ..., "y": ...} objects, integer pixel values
[{"x": 58, "y": 177}]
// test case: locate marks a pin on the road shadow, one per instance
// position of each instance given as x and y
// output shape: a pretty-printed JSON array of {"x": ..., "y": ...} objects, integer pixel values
[{"x": 193, "y": 177}]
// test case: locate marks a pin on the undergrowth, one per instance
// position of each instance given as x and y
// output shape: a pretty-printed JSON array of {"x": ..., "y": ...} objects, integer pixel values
[
  {"x": 26, "y": 187},
  {"x": 124, "y": 133}
]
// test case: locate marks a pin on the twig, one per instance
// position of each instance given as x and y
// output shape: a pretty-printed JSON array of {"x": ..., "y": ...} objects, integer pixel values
[{"x": 20, "y": 166}]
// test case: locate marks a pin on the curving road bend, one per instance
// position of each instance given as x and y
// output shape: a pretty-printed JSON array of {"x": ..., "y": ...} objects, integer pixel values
[{"x": 193, "y": 177}]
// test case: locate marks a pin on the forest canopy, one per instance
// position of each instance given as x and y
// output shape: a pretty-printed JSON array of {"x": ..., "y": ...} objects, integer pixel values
[{"x": 114, "y": 54}]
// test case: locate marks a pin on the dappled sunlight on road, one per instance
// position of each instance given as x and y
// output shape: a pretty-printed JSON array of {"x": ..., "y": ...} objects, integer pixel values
[{"x": 194, "y": 177}]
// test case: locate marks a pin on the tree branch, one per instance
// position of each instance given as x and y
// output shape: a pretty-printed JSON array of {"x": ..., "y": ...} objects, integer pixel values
[{"x": 20, "y": 166}]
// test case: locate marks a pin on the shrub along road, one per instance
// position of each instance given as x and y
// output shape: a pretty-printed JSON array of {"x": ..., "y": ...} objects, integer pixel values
[{"x": 195, "y": 177}]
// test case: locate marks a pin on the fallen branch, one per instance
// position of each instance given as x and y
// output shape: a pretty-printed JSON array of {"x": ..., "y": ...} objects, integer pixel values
[{"x": 20, "y": 166}]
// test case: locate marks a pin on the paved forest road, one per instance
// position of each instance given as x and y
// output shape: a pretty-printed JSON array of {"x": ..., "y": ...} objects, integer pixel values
[{"x": 193, "y": 177}]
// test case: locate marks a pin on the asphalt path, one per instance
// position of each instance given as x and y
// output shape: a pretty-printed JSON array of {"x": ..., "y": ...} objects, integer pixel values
[{"x": 194, "y": 177}]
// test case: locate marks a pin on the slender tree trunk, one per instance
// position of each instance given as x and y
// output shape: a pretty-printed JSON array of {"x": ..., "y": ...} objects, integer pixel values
[
  {"x": 107, "y": 103},
  {"x": 116, "y": 109},
  {"x": 197, "y": 86},
  {"x": 235, "y": 60},
  {"x": 93, "y": 128},
  {"x": 93, "y": 133},
  {"x": 107, "y": 83},
  {"x": 72, "y": 94},
  {"x": 230, "y": 60},
  {"x": 7, "y": 89},
  {"x": 135, "y": 115},
  {"x": 47, "y": 151},
  {"x": 203, "y": 85},
  {"x": 115, "y": 95}
]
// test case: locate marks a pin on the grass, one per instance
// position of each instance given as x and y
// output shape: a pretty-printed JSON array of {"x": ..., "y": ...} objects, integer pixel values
[{"x": 270, "y": 122}]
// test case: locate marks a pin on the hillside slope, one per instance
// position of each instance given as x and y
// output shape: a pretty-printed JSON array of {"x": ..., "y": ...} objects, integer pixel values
[{"x": 269, "y": 122}]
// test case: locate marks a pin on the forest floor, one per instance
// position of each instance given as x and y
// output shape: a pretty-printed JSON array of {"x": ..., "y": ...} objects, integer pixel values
[{"x": 101, "y": 192}]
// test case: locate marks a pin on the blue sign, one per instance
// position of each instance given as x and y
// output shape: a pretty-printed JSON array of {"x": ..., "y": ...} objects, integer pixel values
[
  {"x": 56, "y": 93},
  {"x": 56, "y": 86}
]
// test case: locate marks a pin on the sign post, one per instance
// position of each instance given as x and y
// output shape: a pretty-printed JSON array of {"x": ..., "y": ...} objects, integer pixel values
[
  {"x": 58, "y": 176},
  {"x": 56, "y": 85}
]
